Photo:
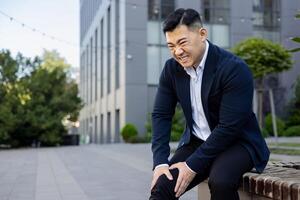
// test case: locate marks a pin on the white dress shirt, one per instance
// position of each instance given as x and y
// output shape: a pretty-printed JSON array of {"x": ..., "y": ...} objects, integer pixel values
[{"x": 200, "y": 127}]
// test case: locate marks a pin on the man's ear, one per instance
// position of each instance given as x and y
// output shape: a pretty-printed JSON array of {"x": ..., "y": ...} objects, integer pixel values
[{"x": 203, "y": 34}]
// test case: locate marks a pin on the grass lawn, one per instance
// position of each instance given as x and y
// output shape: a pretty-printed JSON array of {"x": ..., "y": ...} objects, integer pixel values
[
  {"x": 285, "y": 144},
  {"x": 294, "y": 152}
]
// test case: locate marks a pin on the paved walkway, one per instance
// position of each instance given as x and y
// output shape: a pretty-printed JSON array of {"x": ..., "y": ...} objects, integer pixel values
[{"x": 88, "y": 172}]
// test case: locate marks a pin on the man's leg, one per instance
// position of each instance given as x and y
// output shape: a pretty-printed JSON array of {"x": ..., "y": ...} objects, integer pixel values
[
  {"x": 164, "y": 188},
  {"x": 227, "y": 171}
]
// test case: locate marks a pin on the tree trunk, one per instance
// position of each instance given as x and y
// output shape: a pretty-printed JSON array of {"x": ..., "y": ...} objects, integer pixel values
[{"x": 260, "y": 93}]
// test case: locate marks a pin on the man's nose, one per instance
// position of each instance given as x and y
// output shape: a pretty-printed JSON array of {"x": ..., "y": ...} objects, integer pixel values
[{"x": 178, "y": 51}]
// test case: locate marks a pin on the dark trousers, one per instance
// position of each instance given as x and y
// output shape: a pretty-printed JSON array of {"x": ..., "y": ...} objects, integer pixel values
[{"x": 224, "y": 174}]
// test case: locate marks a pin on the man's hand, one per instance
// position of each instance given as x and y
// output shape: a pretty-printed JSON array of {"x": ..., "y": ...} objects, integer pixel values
[
  {"x": 185, "y": 177},
  {"x": 160, "y": 171}
]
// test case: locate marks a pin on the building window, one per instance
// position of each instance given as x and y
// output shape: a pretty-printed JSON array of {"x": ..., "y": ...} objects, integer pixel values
[
  {"x": 87, "y": 74},
  {"x": 157, "y": 56},
  {"x": 157, "y": 52},
  {"x": 117, "y": 44},
  {"x": 91, "y": 70},
  {"x": 96, "y": 64},
  {"x": 108, "y": 50},
  {"x": 108, "y": 128},
  {"x": 91, "y": 130},
  {"x": 82, "y": 68},
  {"x": 216, "y": 11},
  {"x": 86, "y": 127},
  {"x": 101, "y": 58},
  {"x": 266, "y": 13},
  {"x": 117, "y": 125},
  {"x": 266, "y": 19},
  {"x": 216, "y": 19},
  {"x": 96, "y": 129},
  {"x": 160, "y": 9},
  {"x": 101, "y": 129}
]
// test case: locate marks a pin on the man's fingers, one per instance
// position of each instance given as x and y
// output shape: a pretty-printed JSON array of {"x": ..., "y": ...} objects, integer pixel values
[
  {"x": 181, "y": 188},
  {"x": 169, "y": 175},
  {"x": 178, "y": 183},
  {"x": 173, "y": 166},
  {"x": 158, "y": 174},
  {"x": 153, "y": 182}
]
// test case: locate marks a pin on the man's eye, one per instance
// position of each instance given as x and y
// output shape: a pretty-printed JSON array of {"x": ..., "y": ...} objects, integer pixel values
[{"x": 183, "y": 43}]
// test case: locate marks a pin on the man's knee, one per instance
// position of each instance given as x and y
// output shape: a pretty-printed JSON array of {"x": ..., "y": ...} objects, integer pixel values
[
  {"x": 163, "y": 182},
  {"x": 164, "y": 187}
]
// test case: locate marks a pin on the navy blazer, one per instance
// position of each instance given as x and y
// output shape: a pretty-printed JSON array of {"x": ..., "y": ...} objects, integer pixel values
[{"x": 226, "y": 93}]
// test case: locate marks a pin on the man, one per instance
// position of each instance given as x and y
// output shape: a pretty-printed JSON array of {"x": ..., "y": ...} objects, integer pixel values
[{"x": 222, "y": 139}]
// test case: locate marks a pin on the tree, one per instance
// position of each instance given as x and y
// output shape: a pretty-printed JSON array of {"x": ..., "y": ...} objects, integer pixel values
[
  {"x": 35, "y": 97},
  {"x": 296, "y": 39},
  {"x": 13, "y": 94},
  {"x": 263, "y": 57}
]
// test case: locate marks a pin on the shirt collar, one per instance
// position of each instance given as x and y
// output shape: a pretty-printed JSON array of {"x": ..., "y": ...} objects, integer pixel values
[{"x": 203, "y": 60}]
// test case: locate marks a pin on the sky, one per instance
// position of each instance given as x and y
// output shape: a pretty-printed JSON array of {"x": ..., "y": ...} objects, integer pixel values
[{"x": 58, "y": 18}]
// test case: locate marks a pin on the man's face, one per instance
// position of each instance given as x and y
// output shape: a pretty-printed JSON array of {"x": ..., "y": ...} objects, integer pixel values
[{"x": 187, "y": 45}]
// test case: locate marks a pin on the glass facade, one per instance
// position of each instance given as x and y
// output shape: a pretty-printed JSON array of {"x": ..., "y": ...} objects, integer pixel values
[
  {"x": 108, "y": 50},
  {"x": 157, "y": 51},
  {"x": 215, "y": 11},
  {"x": 95, "y": 48},
  {"x": 266, "y": 19},
  {"x": 216, "y": 19}
]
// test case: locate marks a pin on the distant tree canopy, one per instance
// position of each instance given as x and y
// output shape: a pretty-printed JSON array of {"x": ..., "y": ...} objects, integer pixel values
[
  {"x": 35, "y": 96},
  {"x": 296, "y": 39},
  {"x": 263, "y": 56}
]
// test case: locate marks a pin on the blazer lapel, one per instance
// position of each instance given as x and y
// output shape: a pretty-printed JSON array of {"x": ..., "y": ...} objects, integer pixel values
[
  {"x": 208, "y": 77},
  {"x": 184, "y": 89}
]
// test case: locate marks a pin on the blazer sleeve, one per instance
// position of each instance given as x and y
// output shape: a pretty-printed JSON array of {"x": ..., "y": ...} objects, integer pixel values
[
  {"x": 235, "y": 110},
  {"x": 163, "y": 111}
]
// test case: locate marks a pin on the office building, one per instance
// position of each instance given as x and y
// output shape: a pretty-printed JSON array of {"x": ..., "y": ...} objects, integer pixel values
[{"x": 123, "y": 51}]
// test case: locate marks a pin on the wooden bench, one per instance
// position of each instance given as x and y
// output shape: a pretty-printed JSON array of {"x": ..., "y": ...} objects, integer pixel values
[{"x": 280, "y": 181}]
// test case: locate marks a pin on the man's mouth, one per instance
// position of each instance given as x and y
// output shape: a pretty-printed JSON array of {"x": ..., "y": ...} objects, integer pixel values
[{"x": 183, "y": 58}]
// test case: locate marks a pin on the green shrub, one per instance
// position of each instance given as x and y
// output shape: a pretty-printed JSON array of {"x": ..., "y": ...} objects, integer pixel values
[
  {"x": 292, "y": 131},
  {"x": 178, "y": 124},
  {"x": 129, "y": 131},
  {"x": 175, "y": 136},
  {"x": 268, "y": 130},
  {"x": 4, "y": 137},
  {"x": 265, "y": 133},
  {"x": 50, "y": 139},
  {"x": 294, "y": 106},
  {"x": 139, "y": 139}
]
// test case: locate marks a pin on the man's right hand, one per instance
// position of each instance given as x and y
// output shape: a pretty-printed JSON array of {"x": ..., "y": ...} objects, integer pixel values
[{"x": 160, "y": 171}]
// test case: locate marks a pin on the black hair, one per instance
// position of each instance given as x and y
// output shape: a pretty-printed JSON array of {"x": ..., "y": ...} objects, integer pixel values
[{"x": 181, "y": 16}]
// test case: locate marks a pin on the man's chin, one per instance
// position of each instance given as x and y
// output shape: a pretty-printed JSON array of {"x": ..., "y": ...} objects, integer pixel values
[{"x": 185, "y": 65}]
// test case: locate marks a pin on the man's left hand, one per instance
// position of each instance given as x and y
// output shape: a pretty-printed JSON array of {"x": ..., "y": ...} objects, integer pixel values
[{"x": 185, "y": 177}]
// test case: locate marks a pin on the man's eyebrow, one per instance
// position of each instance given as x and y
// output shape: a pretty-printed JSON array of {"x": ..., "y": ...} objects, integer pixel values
[
  {"x": 184, "y": 38},
  {"x": 178, "y": 41}
]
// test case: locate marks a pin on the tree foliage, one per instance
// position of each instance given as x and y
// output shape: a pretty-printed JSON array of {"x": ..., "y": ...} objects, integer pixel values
[
  {"x": 178, "y": 125},
  {"x": 294, "y": 106},
  {"x": 296, "y": 39},
  {"x": 35, "y": 96},
  {"x": 263, "y": 56}
]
